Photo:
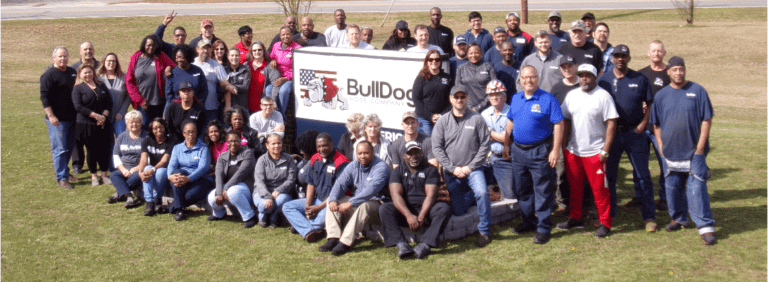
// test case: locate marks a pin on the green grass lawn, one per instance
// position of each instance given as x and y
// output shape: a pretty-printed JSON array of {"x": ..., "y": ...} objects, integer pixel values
[{"x": 52, "y": 234}]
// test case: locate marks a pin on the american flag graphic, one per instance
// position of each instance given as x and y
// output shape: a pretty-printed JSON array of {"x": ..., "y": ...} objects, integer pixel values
[{"x": 307, "y": 75}]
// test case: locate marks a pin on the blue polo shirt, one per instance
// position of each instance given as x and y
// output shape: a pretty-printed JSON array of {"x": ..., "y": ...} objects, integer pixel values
[
  {"x": 629, "y": 93},
  {"x": 323, "y": 172},
  {"x": 534, "y": 117},
  {"x": 559, "y": 39},
  {"x": 508, "y": 76},
  {"x": 484, "y": 39},
  {"x": 679, "y": 113}
]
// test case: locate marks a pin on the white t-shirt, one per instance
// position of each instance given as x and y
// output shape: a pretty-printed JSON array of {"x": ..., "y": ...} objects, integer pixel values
[
  {"x": 588, "y": 113},
  {"x": 361, "y": 45},
  {"x": 266, "y": 125},
  {"x": 335, "y": 37},
  {"x": 417, "y": 49}
]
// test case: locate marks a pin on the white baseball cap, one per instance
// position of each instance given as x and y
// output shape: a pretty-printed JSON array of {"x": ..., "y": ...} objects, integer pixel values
[{"x": 587, "y": 68}]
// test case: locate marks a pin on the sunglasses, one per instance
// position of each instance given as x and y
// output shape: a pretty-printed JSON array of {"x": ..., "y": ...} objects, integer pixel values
[{"x": 432, "y": 60}]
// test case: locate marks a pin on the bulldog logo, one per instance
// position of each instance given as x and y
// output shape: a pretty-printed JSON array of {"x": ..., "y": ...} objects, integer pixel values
[{"x": 322, "y": 89}]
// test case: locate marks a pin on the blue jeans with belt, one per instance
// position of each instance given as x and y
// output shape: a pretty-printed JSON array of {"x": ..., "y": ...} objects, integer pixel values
[
  {"x": 62, "y": 139},
  {"x": 465, "y": 191}
]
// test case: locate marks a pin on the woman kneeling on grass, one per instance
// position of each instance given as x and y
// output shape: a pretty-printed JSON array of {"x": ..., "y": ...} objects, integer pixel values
[
  {"x": 188, "y": 171},
  {"x": 155, "y": 154},
  {"x": 234, "y": 179},
  {"x": 275, "y": 178},
  {"x": 126, "y": 155}
]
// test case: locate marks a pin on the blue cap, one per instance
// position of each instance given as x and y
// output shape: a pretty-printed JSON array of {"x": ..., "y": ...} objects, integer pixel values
[{"x": 459, "y": 39}]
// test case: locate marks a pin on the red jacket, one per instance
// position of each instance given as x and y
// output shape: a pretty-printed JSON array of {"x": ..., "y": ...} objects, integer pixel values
[{"x": 161, "y": 61}]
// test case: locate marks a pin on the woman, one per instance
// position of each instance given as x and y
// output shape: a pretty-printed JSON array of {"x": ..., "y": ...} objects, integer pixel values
[
  {"x": 214, "y": 140},
  {"x": 347, "y": 141},
  {"x": 188, "y": 172},
  {"x": 307, "y": 147},
  {"x": 185, "y": 71},
  {"x": 372, "y": 133},
  {"x": 127, "y": 157},
  {"x": 93, "y": 104},
  {"x": 235, "y": 118},
  {"x": 401, "y": 39},
  {"x": 155, "y": 154},
  {"x": 282, "y": 60},
  {"x": 111, "y": 75},
  {"x": 220, "y": 52},
  {"x": 144, "y": 78},
  {"x": 240, "y": 78},
  {"x": 234, "y": 179},
  {"x": 475, "y": 75},
  {"x": 184, "y": 109},
  {"x": 275, "y": 177},
  {"x": 430, "y": 92},
  {"x": 257, "y": 61}
]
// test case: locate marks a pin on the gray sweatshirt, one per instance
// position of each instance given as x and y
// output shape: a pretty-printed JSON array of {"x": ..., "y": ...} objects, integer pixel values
[
  {"x": 475, "y": 77},
  {"x": 244, "y": 160},
  {"x": 548, "y": 69},
  {"x": 460, "y": 141},
  {"x": 274, "y": 175},
  {"x": 120, "y": 98}
]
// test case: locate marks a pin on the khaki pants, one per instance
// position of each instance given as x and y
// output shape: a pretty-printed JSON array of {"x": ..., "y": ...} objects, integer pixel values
[{"x": 352, "y": 221}]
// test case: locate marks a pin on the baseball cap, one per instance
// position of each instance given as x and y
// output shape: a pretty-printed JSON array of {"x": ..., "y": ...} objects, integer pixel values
[
  {"x": 401, "y": 25},
  {"x": 458, "y": 88},
  {"x": 412, "y": 145},
  {"x": 566, "y": 59},
  {"x": 499, "y": 29},
  {"x": 621, "y": 49},
  {"x": 203, "y": 42},
  {"x": 185, "y": 85},
  {"x": 459, "y": 39},
  {"x": 206, "y": 22},
  {"x": 409, "y": 114},
  {"x": 588, "y": 15},
  {"x": 513, "y": 14},
  {"x": 676, "y": 62},
  {"x": 578, "y": 24},
  {"x": 555, "y": 14},
  {"x": 587, "y": 68},
  {"x": 495, "y": 86}
]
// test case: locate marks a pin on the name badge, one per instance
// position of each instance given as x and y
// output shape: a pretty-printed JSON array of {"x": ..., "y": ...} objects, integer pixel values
[
  {"x": 288, "y": 56},
  {"x": 421, "y": 175},
  {"x": 330, "y": 169},
  {"x": 152, "y": 64},
  {"x": 520, "y": 41}
]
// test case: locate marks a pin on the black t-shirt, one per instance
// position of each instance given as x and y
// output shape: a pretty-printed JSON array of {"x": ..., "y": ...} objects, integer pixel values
[
  {"x": 560, "y": 90},
  {"x": 157, "y": 151},
  {"x": 56, "y": 92},
  {"x": 587, "y": 54},
  {"x": 176, "y": 115},
  {"x": 414, "y": 191},
  {"x": 657, "y": 79},
  {"x": 347, "y": 146},
  {"x": 397, "y": 148},
  {"x": 442, "y": 36},
  {"x": 405, "y": 44},
  {"x": 431, "y": 96},
  {"x": 316, "y": 39}
]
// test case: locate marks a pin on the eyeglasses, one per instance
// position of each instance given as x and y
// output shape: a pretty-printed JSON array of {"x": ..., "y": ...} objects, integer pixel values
[
  {"x": 267, "y": 105},
  {"x": 432, "y": 60}
]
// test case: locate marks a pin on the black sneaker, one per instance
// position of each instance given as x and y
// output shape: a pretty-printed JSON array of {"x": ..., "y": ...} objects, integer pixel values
[
  {"x": 422, "y": 250},
  {"x": 571, "y": 224},
  {"x": 404, "y": 250},
  {"x": 523, "y": 228},
  {"x": 662, "y": 205},
  {"x": 159, "y": 208},
  {"x": 329, "y": 245},
  {"x": 179, "y": 216},
  {"x": 340, "y": 249},
  {"x": 264, "y": 222},
  {"x": 709, "y": 238},
  {"x": 635, "y": 202},
  {"x": 149, "y": 210},
  {"x": 602, "y": 231},
  {"x": 483, "y": 240},
  {"x": 541, "y": 238},
  {"x": 673, "y": 226},
  {"x": 251, "y": 222}
]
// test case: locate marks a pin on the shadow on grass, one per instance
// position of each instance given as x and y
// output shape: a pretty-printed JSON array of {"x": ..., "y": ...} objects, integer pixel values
[
  {"x": 732, "y": 195},
  {"x": 633, "y": 13},
  {"x": 737, "y": 220},
  {"x": 718, "y": 173}
]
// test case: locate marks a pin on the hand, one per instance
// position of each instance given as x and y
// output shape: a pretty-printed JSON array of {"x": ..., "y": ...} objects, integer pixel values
[
  {"x": 639, "y": 129},
  {"x": 144, "y": 106},
  {"x": 279, "y": 81},
  {"x": 100, "y": 119},
  {"x": 272, "y": 64},
  {"x": 134, "y": 169},
  {"x": 553, "y": 157},
  {"x": 168, "y": 71},
  {"x": 183, "y": 180},
  {"x": 345, "y": 207},
  {"x": 645, "y": 108},
  {"x": 435, "y": 117},
  {"x": 465, "y": 170},
  {"x": 603, "y": 158},
  {"x": 458, "y": 172},
  {"x": 169, "y": 18},
  {"x": 275, "y": 194},
  {"x": 220, "y": 200},
  {"x": 268, "y": 204},
  {"x": 118, "y": 117},
  {"x": 53, "y": 120},
  {"x": 312, "y": 210},
  {"x": 413, "y": 222},
  {"x": 505, "y": 153},
  {"x": 232, "y": 90},
  {"x": 280, "y": 128},
  {"x": 146, "y": 175},
  {"x": 126, "y": 173},
  {"x": 333, "y": 206}
]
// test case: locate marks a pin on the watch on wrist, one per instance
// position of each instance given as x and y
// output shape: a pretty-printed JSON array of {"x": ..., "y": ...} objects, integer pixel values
[{"x": 603, "y": 153}]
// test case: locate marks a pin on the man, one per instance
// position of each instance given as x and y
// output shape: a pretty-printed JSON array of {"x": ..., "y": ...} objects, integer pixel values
[
  {"x": 522, "y": 41},
  {"x": 630, "y": 91},
  {"x": 364, "y": 177},
  {"x": 214, "y": 76},
  {"x": 353, "y": 37},
  {"x": 682, "y": 118},
  {"x": 460, "y": 48},
  {"x": 546, "y": 62},
  {"x": 410, "y": 124},
  {"x": 495, "y": 118},
  {"x": 56, "y": 86},
  {"x": 439, "y": 34},
  {"x": 336, "y": 35},
  {"x": 601, "y": 40},
  {"x": 414, "y": 190},
  {"x": 477, "y": 34},
  {"x": 422, "y": 38},
  {"x": 507, "y": 70},
  {"x": 583, "y": 52},
  {"x": 557, "y": 37},
  {"x": 591, "y": 116},
  {"x": 367, "y": 35},
  {"x": 569, "y": 82},
  {"x": 460, "y": 143},
  {"x": 589, "y": 23},
  {"x": 307, "y": 216},
  {"x": 308, "y": 36},
  {"x": 657, "y": 75},
  {"x": 86, "y": 56},
  {"x": 179, "y": 35},
  {"x": 246, "y": 37},
  {"x": 538, "y": 131},
  {"x": 267, "y": 121},
  {"x": 206, "y": 32},
  {"x": 493, "y": 56},
  {"x": 290, "y": 22}
]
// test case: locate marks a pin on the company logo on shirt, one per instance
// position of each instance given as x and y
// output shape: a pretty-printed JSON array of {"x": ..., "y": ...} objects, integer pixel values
[
  {"x": 689, "y": 94},
  {"x": 588, "y": 56},
  {"x": 421, "y": 175},
  {"x": 536, "y": 108},
  {"x": 469, "y": 127},
  {"x": 155, "y": 151},
  {"x": 197, "y": 74},
  {"x": 126, "y": 148},
  {"x": 563, "y": 40},
  {"x": 445, "y": 34},
  {"x": 658, "y": 81},
  {"x": 193, "y": 117},
  {"x": 633, "y": 85},
  {"x": 554, "y": 67},
  {"x": 483, "y": 72},
  {"x": 444, "y": 81}
]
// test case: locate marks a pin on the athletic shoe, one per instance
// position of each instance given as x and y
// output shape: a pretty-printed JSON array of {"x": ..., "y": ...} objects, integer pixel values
[
  {"x": 340, "y": 249},
  {"x": 149, "y": 210},
  {"x": 403, "y": 250},
  {"x": 650, "y": 225},
  {"x": 709, "y": 238},
  {"x": 523, "y": 228},
  {"x": 264, "y": 223},
  {"x": 77, "y": 170},
  {"x": 673, "y": 226},
  {"x": 483, "y": 240},
  {"x": 94, "y": 182},
  {"x": 635, "y": 202},
  {"x": 602, "y": 231},
  {"x": 132, "y": 202},
  {"x": 541, "y": 238},
  {"x": 571, "y": 224},
  {"x": 106, "y": 180},
  {"x": 65, "y": 184},
  {"x": 329, "y": 245},
  {"x": 422, "y": 251}
]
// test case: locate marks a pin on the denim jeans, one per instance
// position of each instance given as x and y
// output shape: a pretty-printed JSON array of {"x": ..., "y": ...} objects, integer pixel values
[
  {"x": 190, "y": 193},
  {"x": 636, "y": 147},
  {"x": 239, "y": 196},
  {"x": 535, "y": 185},
  {"x": 662, "y": 167},
  {"x": 125, "y": 185},
  {"x": 282, "y": 98},
  {"x": 502, "y": 172},
  {"x": 62, "y": 138},
  {"x": 425, "y": 126},
  {"x": 277, "y": 206},
  {"x": 687, "y": 194},
  {"x": 294, "y": 212},
  {"x": 468, "y": 189},
  {"x": 154, "y": 188}
]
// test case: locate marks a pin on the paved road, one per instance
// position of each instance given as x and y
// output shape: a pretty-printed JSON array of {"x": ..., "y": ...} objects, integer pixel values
[{"x": 56, "y": 9}]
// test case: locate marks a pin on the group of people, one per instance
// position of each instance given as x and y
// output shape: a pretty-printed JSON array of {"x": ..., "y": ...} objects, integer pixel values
[{"x": 538, "y": 115}]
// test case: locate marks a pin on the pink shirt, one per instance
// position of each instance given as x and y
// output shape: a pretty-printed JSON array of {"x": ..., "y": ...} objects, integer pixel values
[
  {"x": 216, "y": 150},
  {"x": 284, "y": 58}
]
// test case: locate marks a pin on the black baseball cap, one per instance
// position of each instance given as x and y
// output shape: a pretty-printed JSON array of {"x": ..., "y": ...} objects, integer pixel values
[
  {"x": 588, "y": 15},
  {"x": 676, "y": 62},
  {"x": 185, "y": 85},
  {"x": 621, "y": 49},
  {"x": 401, "y": 25}
]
